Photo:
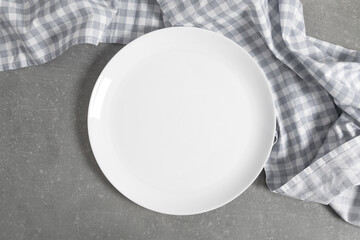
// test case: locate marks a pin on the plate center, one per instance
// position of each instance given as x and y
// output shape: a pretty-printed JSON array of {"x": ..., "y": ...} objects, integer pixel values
[{"x": 182, "y": 116}]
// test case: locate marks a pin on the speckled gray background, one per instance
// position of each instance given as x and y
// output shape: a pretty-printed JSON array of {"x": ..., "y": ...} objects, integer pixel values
[{"x": 52, "y": 188}]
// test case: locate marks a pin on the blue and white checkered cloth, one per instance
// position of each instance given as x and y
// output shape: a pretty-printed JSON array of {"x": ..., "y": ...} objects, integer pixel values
[{"x": 316, "y": 85}]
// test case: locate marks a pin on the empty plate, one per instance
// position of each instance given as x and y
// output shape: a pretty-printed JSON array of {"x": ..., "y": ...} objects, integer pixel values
[{"x": 181, "y": 120}]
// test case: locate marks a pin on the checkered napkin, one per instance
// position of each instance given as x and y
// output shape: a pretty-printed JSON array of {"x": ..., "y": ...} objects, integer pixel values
[{"x": 315, "y": 84}]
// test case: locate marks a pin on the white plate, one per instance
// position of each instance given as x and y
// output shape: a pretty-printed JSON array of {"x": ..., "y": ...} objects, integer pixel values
[{"x": 181, "y": 120}]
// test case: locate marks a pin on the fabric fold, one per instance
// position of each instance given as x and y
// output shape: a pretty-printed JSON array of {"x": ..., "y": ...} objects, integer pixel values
[{"x": 35, "y": 32}]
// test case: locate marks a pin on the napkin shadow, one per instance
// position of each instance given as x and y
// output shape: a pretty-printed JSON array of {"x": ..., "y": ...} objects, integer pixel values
[
  {"x": 260, "y": 181},
  {"x": 85, "y": 88},
  {"x": 332, "y": 212}
]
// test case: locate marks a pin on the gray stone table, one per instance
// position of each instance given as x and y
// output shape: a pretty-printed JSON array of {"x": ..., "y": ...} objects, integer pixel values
[{"x": 52, "y": 188}]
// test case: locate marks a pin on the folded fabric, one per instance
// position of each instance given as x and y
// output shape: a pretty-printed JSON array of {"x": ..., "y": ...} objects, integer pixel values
[{"x": 315, "y": 84}]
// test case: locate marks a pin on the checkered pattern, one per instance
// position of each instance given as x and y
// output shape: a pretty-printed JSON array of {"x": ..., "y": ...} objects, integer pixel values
[
  {"x": 33, "y": 32},
  {"x": 316, "y": 85},
  {"x": 133, "y": 19}
]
